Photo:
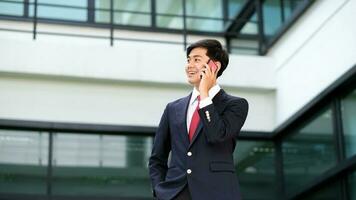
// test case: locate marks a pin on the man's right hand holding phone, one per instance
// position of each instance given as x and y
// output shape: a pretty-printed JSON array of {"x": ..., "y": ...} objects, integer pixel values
[{"x": 208, "y": 78}]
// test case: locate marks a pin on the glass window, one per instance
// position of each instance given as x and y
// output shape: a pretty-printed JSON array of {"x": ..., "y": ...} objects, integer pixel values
[
  {"x": 126, "y": 12},
  {"x": 198, "y": 9},
  {"x": 348, "y": 109},
  {"x": 352, "y": 186},
  {"x": 244, "y": 46},
  {"x": 309, "y": 151},
  {"x": 234, "y": 7},
  {"x": 128, "y": 16},
  {"x": 12, "y": 7},
  {"x": 329, "y": 192},
  {"x": 250, "y": 27},
  {"x": 23, "y": 162},
  {"x": 211, "y": 25},
  {"x": 272, "y": 16},
  {"x": 290, "y": 6},
  {"x": 169, "y": 14},
  {"x": 75, "y": 10},
  {"x": 204, "y": 8},
  {"x": 85, "y": 164},
  {"x": 102, "y": 11},
  {"x": 254, "y": 161},
  {"x": 202, "y": 15}
]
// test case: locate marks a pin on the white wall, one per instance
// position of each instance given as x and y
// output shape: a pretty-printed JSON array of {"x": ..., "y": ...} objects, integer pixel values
[
  {"x": 314, "y": 53},
  {"x": 85, "y": 80},
  {"x": 64, "y": 99},
  {"x": 127, "y": 60}
]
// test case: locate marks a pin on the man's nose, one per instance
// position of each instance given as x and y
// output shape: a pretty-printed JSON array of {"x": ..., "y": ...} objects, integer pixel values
[{"x": 190, "y": 65}]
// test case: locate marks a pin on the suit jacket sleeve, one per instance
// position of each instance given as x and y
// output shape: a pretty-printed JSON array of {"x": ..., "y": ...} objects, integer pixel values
[
  {"x": 227, "y": 125},
  {"x": 160, "y": 151}
]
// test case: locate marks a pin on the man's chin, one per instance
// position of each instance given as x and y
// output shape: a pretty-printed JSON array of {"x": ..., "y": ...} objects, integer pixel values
[{"x": 192, "y": 81}]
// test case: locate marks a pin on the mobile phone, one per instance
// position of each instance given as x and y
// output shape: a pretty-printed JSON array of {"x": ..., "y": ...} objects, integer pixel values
[{"x": 212, "y": 65}]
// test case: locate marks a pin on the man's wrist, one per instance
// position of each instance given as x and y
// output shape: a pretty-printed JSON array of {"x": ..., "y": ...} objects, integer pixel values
[
  {"x": 205, "y": 102},
  {"x": 204, "y": 94}
]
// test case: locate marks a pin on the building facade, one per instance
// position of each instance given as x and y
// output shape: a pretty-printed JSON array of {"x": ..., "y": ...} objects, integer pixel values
[{"x": 83, "y": 85}]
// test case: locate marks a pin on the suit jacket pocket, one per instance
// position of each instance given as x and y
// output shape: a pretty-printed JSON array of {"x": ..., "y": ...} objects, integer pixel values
[{"x": 222, "y": 167}]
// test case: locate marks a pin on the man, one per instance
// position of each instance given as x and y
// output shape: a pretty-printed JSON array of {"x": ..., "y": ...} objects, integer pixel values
[{"x": 200, "y": 132}]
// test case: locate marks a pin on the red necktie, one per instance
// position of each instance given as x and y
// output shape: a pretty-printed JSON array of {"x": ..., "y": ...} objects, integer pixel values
[{"x": 195, "y": 121}]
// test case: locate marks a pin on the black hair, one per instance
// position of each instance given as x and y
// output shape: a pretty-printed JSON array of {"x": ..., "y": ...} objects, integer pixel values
[{"x": 214, "y": 52}]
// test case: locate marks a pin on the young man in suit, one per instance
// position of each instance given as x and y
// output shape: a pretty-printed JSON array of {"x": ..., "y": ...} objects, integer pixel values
[{"x": 199, "y": 132}]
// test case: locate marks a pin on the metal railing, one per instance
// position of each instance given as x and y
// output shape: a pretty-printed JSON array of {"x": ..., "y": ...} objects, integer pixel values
[
  {"x": 30, "y": 13},
  {"x": 230, "y": 28}
]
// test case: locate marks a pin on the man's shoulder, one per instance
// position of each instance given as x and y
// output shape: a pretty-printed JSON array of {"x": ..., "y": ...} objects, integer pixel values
[
  {"x": 232, "y": 98},
  {"x": 179, "y": 101}
]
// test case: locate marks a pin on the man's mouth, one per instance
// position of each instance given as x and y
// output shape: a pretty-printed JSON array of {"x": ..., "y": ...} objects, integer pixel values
[{"x": 192, "y": 73}]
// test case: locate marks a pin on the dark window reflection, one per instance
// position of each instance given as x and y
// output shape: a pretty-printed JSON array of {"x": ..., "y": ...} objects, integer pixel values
[
  {"x": 349, "y": 123},
  {"x": 272, "y": 16},
  {"x": 328, "y": 192},
  {"x": 23, "y": 162},
  {"x": 254, "y": 161},
  {"x": 101, "y": 165},
  {"x": 235, "y": 7},
  {"x": 309, "y": 151},
  {"x": 352, "y": 186}
]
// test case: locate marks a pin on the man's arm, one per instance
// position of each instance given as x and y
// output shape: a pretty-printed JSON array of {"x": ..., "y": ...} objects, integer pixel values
[
  {"x": 160, "y": 151},
  {"x": 227, "y": 125}
]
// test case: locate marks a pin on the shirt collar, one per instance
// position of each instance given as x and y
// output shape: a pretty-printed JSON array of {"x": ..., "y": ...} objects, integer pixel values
[{"x": 212, "y": 92}]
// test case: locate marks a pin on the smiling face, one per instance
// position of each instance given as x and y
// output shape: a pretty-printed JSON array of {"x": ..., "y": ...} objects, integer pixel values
[{"x": 196, "y": 60}]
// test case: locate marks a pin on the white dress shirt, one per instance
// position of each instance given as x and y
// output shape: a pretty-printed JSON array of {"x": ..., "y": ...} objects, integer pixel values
[{"x": 203, "y": 103}]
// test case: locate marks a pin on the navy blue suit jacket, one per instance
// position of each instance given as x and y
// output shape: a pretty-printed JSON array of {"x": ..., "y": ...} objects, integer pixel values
[{"x": 205, "y": 164}]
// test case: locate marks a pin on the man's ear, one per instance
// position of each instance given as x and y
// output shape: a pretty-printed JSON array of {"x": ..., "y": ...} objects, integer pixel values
[{"x": 218, "y": 64}]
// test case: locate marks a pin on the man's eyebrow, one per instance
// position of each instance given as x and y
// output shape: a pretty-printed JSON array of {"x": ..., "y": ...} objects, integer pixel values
[{"x": 194, "y": 56}]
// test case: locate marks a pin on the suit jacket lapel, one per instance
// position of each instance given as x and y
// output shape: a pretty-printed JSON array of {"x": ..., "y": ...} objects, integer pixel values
[
  {"x": 181, "y": 116},
  {"x": 219, "y": 107}
]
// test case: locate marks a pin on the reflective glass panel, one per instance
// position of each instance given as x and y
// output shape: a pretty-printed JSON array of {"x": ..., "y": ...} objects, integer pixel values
[
  {"x": 102, "y": 11},
  {"x": 254, "y": 161},
  {"x": 126, "y": 12},
  {"x": 250, "y": 27},
  {"x": 23, "y": 162},
  {"x": 272, "y": 16},
  {"x": 309, "y": 151},
  {"x": 352, "y": 186},
  {"x": 329, "y": 192},
  {"x": 75, "y": 10},
  {"x": 204, "y": 8},
  {"x": 210, "y": 25},
  {"x": 244, "y": 46},
  {"x": 348, "y": 109},
  {"x": 290, "y": 6},
  {"x": 12, "y": 7},
  {"x": 102, "y": 165},
  {"x": 169, "y": 7},
  {"x": 234, "y": 7},
  {"x": 169, "y": 14}
]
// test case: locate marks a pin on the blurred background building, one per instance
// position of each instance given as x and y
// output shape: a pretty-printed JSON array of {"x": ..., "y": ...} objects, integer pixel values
[{"x": 83, "y": 84}]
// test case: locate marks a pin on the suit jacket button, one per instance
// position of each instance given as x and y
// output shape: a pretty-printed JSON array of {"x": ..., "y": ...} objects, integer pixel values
[
  {"x": 189, "y": 153},
  {"x": 189, "y": 171}
]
